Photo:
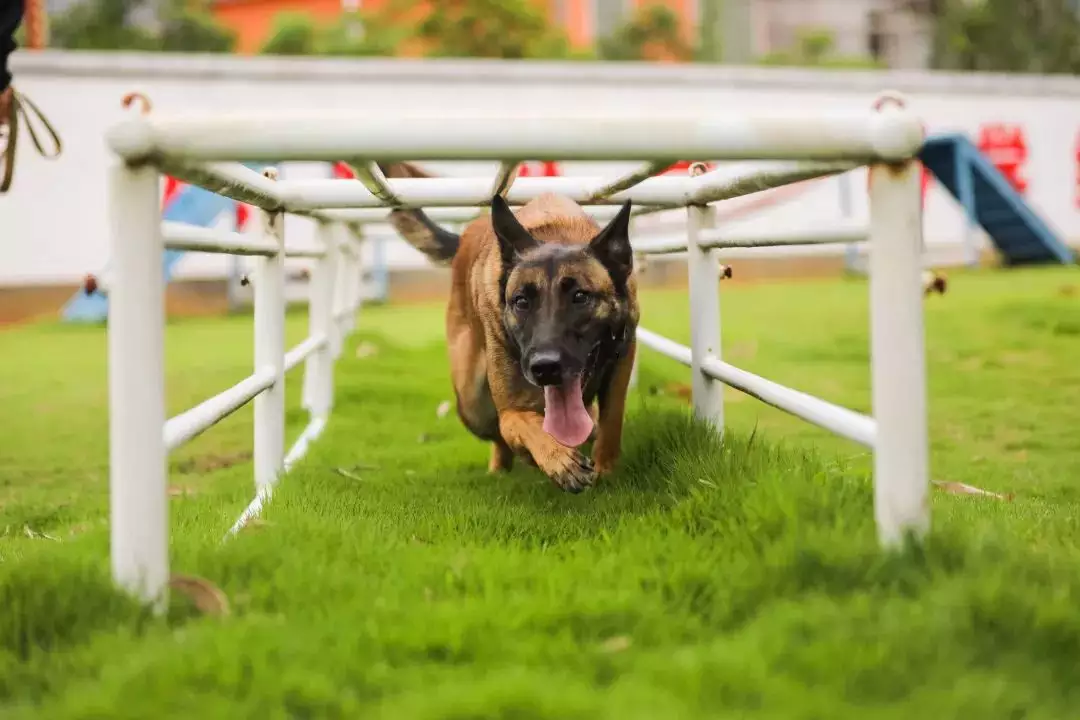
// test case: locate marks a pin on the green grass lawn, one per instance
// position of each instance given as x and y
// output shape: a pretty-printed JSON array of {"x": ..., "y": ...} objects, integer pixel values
[{"x": 392, "y": 578}]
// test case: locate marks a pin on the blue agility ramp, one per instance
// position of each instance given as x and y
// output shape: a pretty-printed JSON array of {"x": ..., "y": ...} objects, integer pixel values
[
  {"x": 191, "y": 205},
  {"x": 1019, "y": 234}
]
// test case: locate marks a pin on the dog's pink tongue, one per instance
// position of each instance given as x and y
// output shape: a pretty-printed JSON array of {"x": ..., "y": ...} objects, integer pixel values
[{"x": 565, "y": 416}]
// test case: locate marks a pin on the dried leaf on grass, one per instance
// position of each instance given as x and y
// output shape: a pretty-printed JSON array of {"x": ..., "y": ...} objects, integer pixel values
[
  {"x": 615, "y": 644},
  {"x": 180, "y": 490},
  {"x": 959, "y": 488},
  {"x": 443, "y": 409},
  {"x": 205, "y": 595},
  {"x": 206, "y": 463},
  {"x": 680, "y": 390},
  {"x": 366, "y": 350}
]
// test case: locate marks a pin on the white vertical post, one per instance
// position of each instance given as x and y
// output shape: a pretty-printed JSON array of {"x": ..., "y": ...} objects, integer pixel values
[
  {"x": 898, "y": 361},
  {"x": 708, "y": 394},
  {"x": 847, "y": 211},
  {"x": 270, "y": 352},
  {"x": 319, "y": 367},
  {"x": 354, "y": 286},
  {"x": 138, "y": 493},
  {"x": 337, "y": 270},
  {"x": 358, "y": 282}
]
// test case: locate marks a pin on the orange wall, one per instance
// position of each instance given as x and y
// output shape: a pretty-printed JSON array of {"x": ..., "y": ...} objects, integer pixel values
[{"x": 253, "y": 20}]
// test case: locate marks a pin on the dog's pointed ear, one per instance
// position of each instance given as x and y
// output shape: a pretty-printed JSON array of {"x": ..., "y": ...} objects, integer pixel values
[
  {"x": 611, "y": 246},
  {"x": 514, "y": 240}
]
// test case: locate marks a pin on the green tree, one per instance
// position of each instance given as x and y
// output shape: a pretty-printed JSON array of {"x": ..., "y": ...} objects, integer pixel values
[
  {"x": 101, "y": 25},
  {"x": 170, "y": 25},
  {"x": 354, "y": 33},
  {"x": 652, "y": 31},
  {"x": 292, "y": 33},
  {"x": 815, "y": 48},
  {"x": 1037, "y": 36},
  {"x": 190, "y": 27},
  {"x": 360, "y": 34},
  {"x": 708, "y": 31},
  {"x": 510, "y": 29}
]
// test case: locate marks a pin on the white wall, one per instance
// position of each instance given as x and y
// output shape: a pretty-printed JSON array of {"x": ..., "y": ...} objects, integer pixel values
[{"x": 53, "y": 223}]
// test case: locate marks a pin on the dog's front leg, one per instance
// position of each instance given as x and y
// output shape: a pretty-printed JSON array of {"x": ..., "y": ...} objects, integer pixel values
[
  {"x": 612, "y": 403},
  {"x": 523, "y": 431}
]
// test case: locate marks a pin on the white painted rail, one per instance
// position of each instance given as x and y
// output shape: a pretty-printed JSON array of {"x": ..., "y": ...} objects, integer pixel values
[{"x": 207, "y": 151}]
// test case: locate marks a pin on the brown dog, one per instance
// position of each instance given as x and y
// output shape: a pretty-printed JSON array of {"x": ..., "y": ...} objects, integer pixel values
[{"x": 541, "y": 323}]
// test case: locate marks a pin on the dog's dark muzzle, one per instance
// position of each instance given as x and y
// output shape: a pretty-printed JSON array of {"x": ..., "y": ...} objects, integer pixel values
[{"x": 546, "y": 367}]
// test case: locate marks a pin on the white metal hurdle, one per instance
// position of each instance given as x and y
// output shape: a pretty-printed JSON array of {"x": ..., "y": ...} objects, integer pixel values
[
  {"x": 208, "y": 151},
  {"x": 140, "y": 437}
]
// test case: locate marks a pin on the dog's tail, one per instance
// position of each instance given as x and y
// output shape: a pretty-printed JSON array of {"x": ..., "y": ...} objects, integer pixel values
[{"x": 439, "y": 244}]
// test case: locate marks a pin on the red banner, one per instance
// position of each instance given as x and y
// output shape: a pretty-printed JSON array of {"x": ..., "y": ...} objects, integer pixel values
[
  {"x": 1006, "y": 146},
  {"x": 1077, "y": 194}
]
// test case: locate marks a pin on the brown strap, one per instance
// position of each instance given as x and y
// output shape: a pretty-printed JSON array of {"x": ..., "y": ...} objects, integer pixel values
[{"x": 22, "y": 106}]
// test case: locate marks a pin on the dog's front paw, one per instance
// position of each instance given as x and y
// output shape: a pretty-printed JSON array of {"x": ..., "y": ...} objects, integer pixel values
[{"x": 573, "y": 471}]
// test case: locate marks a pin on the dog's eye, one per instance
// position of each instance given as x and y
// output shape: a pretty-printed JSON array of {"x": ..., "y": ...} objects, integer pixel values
[
  {"x": 580, "y": 297},
  {"x": 521, "y": 302}
]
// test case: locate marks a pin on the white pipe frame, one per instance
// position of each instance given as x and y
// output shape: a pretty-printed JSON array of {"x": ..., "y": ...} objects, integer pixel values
[{"x": 208, "y": 152}]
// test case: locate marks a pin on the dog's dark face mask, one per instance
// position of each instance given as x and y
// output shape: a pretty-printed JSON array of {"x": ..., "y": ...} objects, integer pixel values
[{"x": 565, "y": 307}]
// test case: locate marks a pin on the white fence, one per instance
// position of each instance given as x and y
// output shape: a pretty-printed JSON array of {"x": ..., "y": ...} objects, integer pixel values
[
  {"x": 207, "y": 151},
  {"x": 140, "y": 438}
]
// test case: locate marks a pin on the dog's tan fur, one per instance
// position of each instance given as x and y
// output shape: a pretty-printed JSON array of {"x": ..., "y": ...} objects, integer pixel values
[{"x": 495, "y": 401}]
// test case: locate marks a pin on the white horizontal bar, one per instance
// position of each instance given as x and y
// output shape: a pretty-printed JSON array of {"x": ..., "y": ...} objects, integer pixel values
[
  {"x": 660, "y": 244},
  {"x": 236, "y": 182},
  {"x": 731, "y": 238},
  {"x": 669, "y": 348},
  {"x": 230, "y": 179},
  {"x": 849, "y": 233},
  {"x": 839, "y": 420},
  {"x": 629, "y": 180},
  {"x": 181, "y": 236},
  {"x": 665, "y": 190},
  {"x": 296, "y": 452},
  {"x": 836, "y": 419},
  {"x": 299, "y": 354},
  {"x": 722, "y": 184},
  {"x": 463, "y": 214},
  {"x": 187, "y": 425},
  {"x": 476, "y": 191},
  {"x": 382, "y": 134}
]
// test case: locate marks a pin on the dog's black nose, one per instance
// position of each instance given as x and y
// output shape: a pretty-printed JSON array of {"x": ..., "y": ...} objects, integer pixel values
[{"x": 546, "y": 367}]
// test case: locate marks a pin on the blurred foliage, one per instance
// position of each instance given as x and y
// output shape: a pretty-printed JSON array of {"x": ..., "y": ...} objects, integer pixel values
[
  {"x": 653, "y": 33},
  {"x": 354, "y": 33},
  {"x": 1037, "y": 36},
  {"x": 709, "y": 45},
  {"x": 360, "y": 34},
  {"x": 508, "y": 29},
  {"x": 293, "y": 33},
  {"x": 170, "y": 25},
  {"x": 814, "y": 47},
  {"x": 189, "y": 27}
]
